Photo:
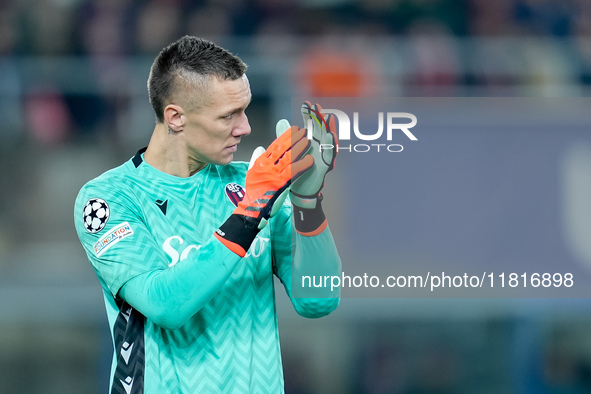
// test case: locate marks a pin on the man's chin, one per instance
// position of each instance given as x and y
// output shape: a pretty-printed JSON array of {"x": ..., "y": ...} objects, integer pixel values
[{"x": 227, "y": 159}]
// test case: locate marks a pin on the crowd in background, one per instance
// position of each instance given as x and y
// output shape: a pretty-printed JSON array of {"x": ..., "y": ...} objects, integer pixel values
[
  {"x": 126, "y": 27},
  {"x": 335, "y": 48}
]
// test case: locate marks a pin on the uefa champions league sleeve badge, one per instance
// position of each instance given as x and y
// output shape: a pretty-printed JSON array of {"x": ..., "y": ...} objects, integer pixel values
[{"x": 95, "y": 215}]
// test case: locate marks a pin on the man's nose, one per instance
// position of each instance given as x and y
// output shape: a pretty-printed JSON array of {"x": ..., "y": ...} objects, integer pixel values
[{"x": 242, "y": 127}]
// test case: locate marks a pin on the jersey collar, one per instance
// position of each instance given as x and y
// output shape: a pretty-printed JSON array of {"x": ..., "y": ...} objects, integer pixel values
[{"x": 138, "y": 159}]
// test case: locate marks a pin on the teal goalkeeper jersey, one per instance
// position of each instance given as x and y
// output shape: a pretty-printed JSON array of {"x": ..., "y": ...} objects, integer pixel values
[{"x": 135, "y": 221}]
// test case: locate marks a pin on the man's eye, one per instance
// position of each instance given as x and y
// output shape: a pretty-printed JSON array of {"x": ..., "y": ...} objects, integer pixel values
[{"x": 229, "y": 116}]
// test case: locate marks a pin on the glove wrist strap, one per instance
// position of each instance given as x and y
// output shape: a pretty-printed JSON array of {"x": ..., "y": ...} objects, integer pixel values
[
  {"x": 310, "y": 221},
  {"x": 305, "y": 202},
  {"x": 238, "y": 232}
]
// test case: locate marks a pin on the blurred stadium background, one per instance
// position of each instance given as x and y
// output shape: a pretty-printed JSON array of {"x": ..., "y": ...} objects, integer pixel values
[{"x": 73, "y": 103}]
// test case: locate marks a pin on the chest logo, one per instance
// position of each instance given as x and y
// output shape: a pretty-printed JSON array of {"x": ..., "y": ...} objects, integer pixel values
[
  {"x": 235, "y": 193},
  {"x": 172, "y": 247},
  {"x": 162, "y": 205}
]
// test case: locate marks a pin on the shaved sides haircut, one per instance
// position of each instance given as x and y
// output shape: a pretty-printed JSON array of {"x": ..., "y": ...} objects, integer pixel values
[{"x": 181, "y": 72}]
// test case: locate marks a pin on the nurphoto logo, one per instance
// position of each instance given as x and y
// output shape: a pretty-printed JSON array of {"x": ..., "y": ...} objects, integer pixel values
[{"x": 393, "y": 126}]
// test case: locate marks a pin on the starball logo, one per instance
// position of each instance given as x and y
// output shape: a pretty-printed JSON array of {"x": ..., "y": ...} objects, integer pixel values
[{"x": 378, "y": 144}]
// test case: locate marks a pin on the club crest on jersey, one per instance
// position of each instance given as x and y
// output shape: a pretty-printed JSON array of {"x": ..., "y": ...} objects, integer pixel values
[{"x": 235, "y": 193}]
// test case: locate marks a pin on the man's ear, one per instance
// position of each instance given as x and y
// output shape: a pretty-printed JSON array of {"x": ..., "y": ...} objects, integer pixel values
[{"x": 174, "y": 118}]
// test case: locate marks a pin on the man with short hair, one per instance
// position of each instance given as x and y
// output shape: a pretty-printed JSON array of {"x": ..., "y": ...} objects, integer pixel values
[{"x": 185, "y": 242}]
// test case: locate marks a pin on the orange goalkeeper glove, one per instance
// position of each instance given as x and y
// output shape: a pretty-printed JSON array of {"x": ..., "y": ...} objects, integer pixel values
[{"x": 266, "y": 183}]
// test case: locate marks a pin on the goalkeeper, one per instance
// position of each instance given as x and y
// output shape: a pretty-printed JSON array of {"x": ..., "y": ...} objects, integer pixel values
[{"x": 185, "y": 242}]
